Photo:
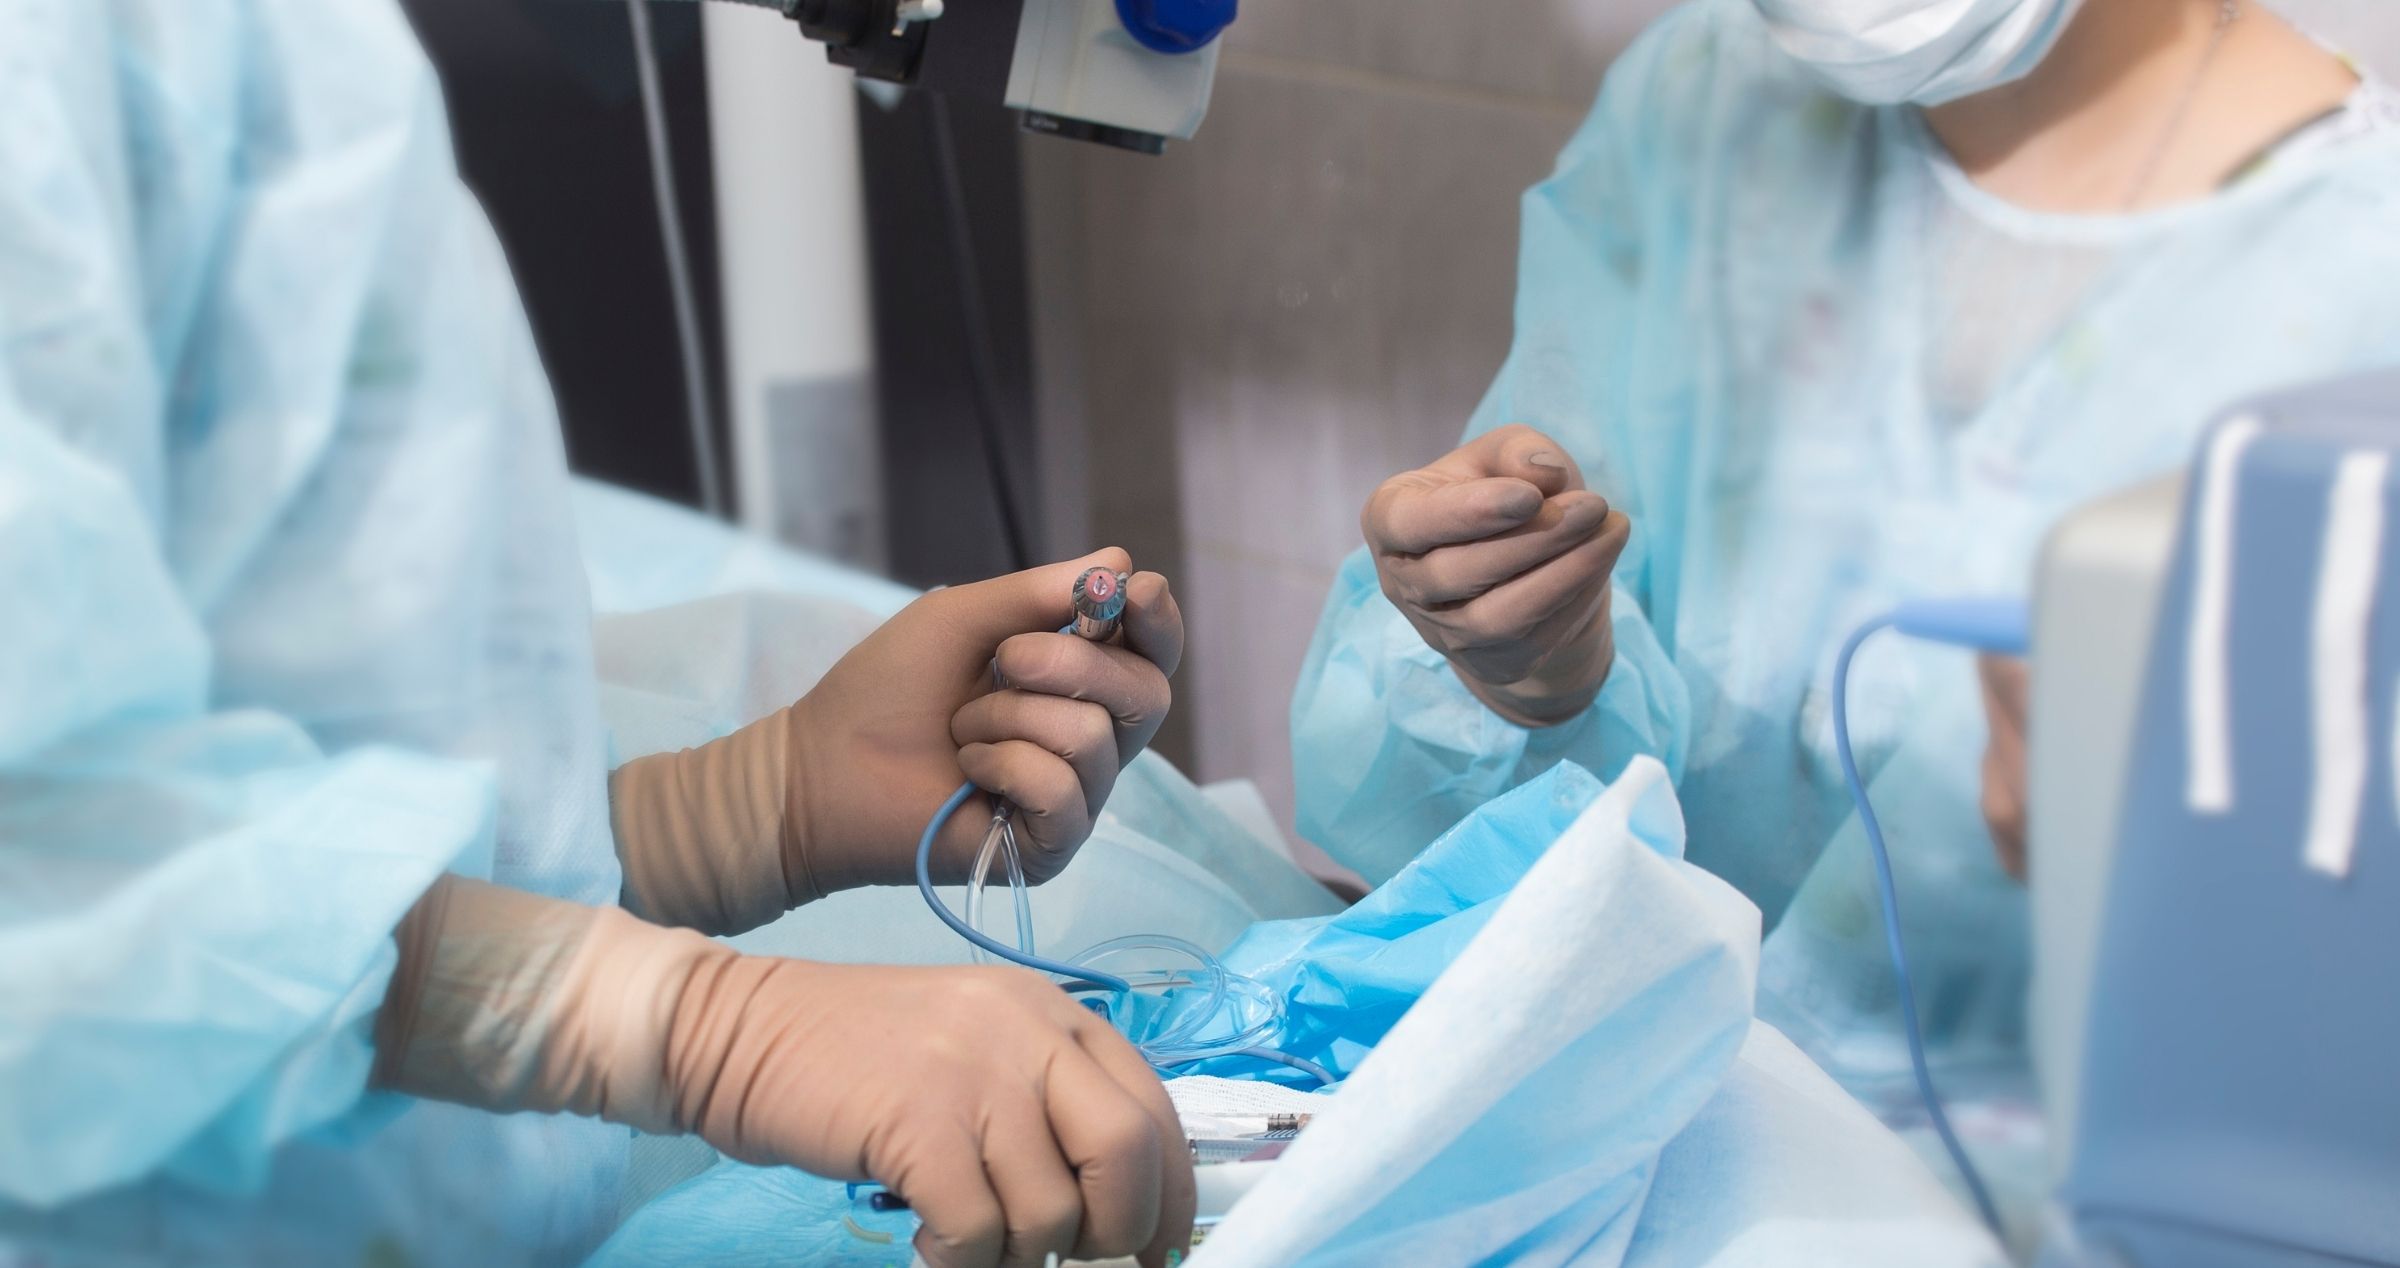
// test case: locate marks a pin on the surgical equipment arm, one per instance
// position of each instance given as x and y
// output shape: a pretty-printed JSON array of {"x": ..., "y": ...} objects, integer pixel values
[{"x": 1133, "y": 74}]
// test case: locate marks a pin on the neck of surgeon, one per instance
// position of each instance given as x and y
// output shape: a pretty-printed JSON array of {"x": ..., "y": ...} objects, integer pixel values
[{"x": 2142, "y": 104}]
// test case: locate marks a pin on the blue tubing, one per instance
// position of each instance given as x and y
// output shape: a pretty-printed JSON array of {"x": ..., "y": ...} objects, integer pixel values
[
  {"x": 1930, "y": 623},
  {"x": 2004, "y": 626},
  {"x": 933, "y": 828}
]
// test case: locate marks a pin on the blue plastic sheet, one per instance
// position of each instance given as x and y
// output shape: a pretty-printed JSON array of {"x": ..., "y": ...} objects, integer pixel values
[
  {"x": 1346, "y": 979},
  {"x": 1528, "y": 1014},
  {"x": 1546, "y": 1023}
]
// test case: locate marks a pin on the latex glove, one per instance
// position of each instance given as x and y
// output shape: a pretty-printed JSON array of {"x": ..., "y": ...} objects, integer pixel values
[
  {"x": 914, "y": 710},
  {"x": 1500, "y": 558},
  {"x": 833, "y": 793},
  {"x": 1016, "y": 1123},
  {"x": 2004, "y": 681}
]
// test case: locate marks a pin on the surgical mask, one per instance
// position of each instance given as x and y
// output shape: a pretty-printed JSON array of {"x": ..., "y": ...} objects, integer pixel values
[{"x": 1924, "y": 51}]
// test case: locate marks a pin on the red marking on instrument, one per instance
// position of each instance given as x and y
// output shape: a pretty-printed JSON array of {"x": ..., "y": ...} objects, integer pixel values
[{"x": 1100, "y": 584}]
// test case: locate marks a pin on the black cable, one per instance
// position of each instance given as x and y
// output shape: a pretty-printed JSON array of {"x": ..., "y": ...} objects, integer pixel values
[{"x": 982, "y": 360}]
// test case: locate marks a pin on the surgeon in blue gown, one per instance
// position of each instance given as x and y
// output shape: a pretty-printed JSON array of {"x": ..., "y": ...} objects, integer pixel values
[
  {"x": 1828, "y": 305},
  {"x": 328, "y": 935}
]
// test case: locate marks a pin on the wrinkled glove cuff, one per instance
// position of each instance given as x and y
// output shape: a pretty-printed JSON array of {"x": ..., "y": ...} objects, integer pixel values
[
  {"x": 704, "y": 834},
  {"x": 511, "y": 1001}
]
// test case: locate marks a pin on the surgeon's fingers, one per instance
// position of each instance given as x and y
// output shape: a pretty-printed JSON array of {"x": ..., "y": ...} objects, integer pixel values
[
  {"x": 1173, "y": 1182},
  {"x": 1586, "y": 611},
  {"x": 1112, "y": 1144},
  {"x": 1510, "y": 612},
  {"x": 1154, "y": 621},
  {"x": 1515, "y": 451},
  {"x": 1512, "y": 660},
  {"x": 1130, "y": 686},
  {"x": 981, "y": 613},
  {"x": 1041, "y": 1203},
  {"x": 1051, "y": 814},
  {"x": 1453, "y": 574},
  {"x": 1079, "y": 731},
  {"x": 1412, "y": 513},
  {"x": 964, "y": 1224}
]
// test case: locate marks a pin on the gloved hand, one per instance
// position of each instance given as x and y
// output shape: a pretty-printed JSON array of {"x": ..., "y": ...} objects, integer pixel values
[
  {"x": 2004, "y": 681},
  {"x": 913, "y": 711},
  {"x": 1500, "y": 558},
  {"x": 833, "y": 792},
  {"x": 1017, "y": 1124}
]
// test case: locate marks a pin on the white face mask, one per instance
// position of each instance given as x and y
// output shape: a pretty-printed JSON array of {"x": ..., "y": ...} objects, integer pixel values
[{"x": 1925, "y": 51}]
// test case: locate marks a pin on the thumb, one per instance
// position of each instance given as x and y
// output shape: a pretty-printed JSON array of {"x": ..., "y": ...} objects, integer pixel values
[
  {"x": 1519, "y": 452},
  {"x": 1034, "y": 601}
]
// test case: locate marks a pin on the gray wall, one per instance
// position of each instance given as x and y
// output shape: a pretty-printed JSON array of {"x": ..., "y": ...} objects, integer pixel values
[
  {"x": 1237, "y": 342},
  {"x": 1240, "y": 340}
]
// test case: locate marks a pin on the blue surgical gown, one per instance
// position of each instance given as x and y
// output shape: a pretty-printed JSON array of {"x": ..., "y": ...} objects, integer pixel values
[
  {"x": 1824, "y": 372},
  {"x": 291, "y": 622}
]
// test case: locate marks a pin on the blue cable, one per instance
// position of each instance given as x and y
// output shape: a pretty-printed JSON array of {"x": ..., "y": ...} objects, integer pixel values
[
  {"x": 2003, "y": 626},
  {"x": 1985, "y": 625},
  {"x": 1091, "y": 978},
  {"x": 1323, "y": 1076},
  {"x": 933, "y": 828},
  {"x": 1078, "y": 977}
]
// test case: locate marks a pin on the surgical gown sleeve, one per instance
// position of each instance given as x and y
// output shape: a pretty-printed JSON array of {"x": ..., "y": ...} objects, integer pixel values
[
  {"x": 1389, "y": 748},
  {"x": 196, "y": 901},
  {"x": 195, "y": 907}
]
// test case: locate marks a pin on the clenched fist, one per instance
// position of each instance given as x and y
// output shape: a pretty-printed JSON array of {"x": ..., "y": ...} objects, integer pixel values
[{"x": 1500, "y": 558}]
